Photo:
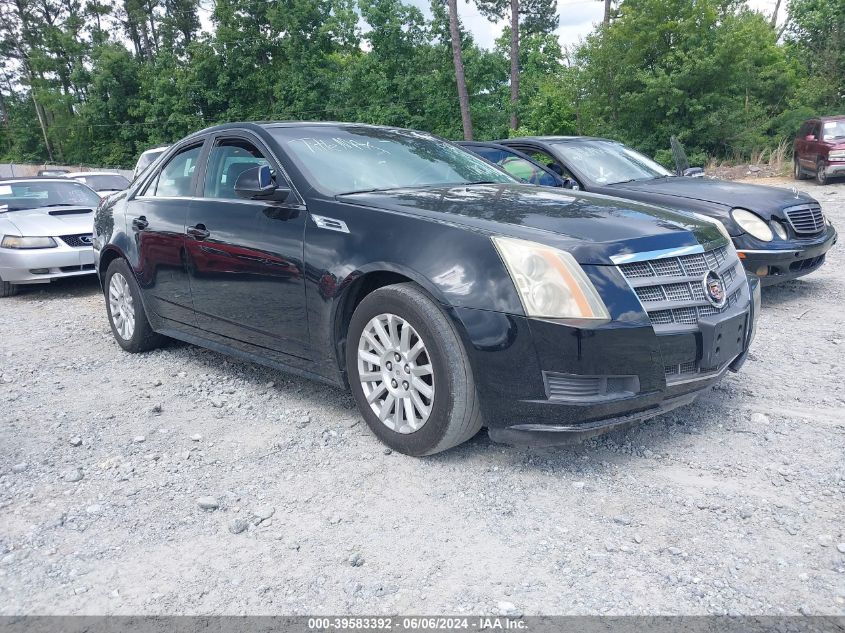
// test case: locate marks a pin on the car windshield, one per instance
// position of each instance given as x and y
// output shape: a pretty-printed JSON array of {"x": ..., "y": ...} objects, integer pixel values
[
  {"x": 352, "y": 159},
  {"x": 608, "y": 162},
  {"x": 833, "y": 130},
  {"x": 33, "y": 194},
  {"x": 104, "y": 182}
]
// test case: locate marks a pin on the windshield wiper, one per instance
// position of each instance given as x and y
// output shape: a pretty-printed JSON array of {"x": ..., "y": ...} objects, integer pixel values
[
  {"x": 483, "y": 182},
  {"x": 56, "y": 204}
]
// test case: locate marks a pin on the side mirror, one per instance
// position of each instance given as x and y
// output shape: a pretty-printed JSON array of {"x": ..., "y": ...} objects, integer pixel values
[
  {"x": 694, "y": 172},
  {"x": 257, "y": 183},
  {"x": 810, "y": 137}
]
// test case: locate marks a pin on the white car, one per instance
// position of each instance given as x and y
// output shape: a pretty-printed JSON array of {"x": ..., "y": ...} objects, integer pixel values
[
  {"x": 103, "y": 182},
  {"x": 147, "y": 158},
  {"x": 46, "y": 227}
]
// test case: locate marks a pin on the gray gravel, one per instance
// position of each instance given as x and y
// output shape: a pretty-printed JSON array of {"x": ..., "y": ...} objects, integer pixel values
[{"x": 733, "y": 505}]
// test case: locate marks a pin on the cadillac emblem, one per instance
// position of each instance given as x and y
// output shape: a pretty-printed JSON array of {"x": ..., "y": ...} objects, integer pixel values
[{"x": 714, "y": 289}]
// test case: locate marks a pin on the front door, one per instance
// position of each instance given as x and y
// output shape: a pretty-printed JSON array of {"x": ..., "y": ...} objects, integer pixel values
[
  {"x": 245, "y": 256},
  {"x": 156, "y": 218}
]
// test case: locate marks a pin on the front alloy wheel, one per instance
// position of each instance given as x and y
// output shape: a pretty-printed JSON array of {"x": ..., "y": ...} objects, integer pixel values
[
  {"x": 409, "y": 372},
  {"x": 396, "y": 373},
  {"x": 821, "y": 173}
]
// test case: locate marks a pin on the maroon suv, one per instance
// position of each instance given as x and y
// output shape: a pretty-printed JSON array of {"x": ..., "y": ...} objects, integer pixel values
[{"x": 820, "y": 149}]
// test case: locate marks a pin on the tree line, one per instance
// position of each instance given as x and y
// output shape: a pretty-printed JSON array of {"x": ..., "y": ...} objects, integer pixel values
[{"x": 98, "y": 81}]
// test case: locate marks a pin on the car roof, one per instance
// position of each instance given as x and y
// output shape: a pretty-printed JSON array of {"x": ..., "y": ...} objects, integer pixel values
[
  {"x": 10, "y": 181},
  {"x": 556, "y": 139},
  {"x": 266, "y": 125},
  {"x": 80, "y": 174}
]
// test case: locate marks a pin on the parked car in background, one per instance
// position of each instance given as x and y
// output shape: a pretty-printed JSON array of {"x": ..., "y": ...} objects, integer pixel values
[
  {"x": 517, "y": 164},
  {"x": 52, "y": 173},
  {"x": 819, "y": 149},
  {"x": 442, "y": 291},
  {"x": 779, "y": 234},
  {"x": 103, "y": 182},
  {"x": 45, "y": 231},
  {"x": 147, "y": 158}
]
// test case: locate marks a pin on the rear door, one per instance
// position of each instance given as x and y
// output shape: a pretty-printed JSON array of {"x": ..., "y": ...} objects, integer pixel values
[
  {"x": 245, "y": 256},
  {"x": 156, "y": 217}
]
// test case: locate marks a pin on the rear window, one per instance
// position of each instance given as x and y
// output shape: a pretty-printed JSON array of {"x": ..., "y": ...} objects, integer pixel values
[{"x": 105, "y": 182}]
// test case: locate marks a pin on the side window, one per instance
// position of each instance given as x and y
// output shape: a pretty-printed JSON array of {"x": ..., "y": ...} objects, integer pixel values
[
  {"x": 490, "y": 153},
  {"x": 817, "y": 131},
  {"x": 228, "y": 160},
  {"x": 548, "y": 161},
  {"x": 174, "y": 180}
]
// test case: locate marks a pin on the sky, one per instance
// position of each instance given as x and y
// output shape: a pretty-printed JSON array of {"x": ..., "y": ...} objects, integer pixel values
[{"x": 577, "y": 19}]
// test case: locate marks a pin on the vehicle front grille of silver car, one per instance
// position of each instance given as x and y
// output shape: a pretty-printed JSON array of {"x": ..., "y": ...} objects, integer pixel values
[
  {"x": 78, "y": 241},
  {"x": 671, "y": 289},
  {"x": 806, "y": 219}
]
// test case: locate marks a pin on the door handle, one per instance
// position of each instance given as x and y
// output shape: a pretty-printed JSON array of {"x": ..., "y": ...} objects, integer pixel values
[
  {"x": 139, "y": 224},
  {"x": 198, "y": 232}
]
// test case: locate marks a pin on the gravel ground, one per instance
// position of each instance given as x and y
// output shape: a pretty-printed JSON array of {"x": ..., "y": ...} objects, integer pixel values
[{"x": 183, "y": 482}]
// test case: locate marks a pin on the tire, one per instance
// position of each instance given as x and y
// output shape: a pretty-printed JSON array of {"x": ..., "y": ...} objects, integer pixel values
[
  {"x": 141, "y": 338},
  {"x": 797, "y": 172},
  {"x": 454, "y": 414},
  {"x": 821, "y": 176},
  {"x": 7, "y": 289}
]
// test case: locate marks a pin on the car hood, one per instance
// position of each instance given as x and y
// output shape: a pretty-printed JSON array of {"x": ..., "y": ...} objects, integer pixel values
[
  {"x": 765, "y": 201},
  {"x": 51, "y": 221},
  {"x": 590, "y": 226}
]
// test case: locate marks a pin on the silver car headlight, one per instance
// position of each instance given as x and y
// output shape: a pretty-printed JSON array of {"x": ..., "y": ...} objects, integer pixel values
[
  {"x": 551, "y": 284},
  {"x": 836, "y": 154},
  {"x": 14, "y": 241},
  {"x": 752, "y": 224}
]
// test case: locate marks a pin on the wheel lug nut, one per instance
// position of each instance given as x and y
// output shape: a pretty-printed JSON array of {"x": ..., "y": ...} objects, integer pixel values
[
  {"x": 394, "y": 384},
  {"x": 397, "y": 357},
  {"x": 407, "y": 369},
  {"x": 404, "y": 384},
  {"x": 389, "y": 365}
]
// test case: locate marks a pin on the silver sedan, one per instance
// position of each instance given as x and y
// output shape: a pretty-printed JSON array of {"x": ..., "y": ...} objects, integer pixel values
[{"x": 45, "y": 231}]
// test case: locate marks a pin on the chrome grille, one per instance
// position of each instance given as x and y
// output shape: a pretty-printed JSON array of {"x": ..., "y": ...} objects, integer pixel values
[
  {"x": 671, "y": 289},
  {"x": 805, "y": 219}
]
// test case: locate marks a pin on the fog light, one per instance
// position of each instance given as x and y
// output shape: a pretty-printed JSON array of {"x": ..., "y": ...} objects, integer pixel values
[
  {"x": 39, "y": 271},
  {"x": 762, "y": 271}
]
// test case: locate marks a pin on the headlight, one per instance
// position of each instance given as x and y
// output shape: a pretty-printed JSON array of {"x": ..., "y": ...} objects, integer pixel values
[
  {"x": 837, "y": 154},
  {"x": 551, "y": 284},
  {"x": 780, "y": 229},
  {"x": 752, "y": 224},
  {"x": 13, "y": 241}
]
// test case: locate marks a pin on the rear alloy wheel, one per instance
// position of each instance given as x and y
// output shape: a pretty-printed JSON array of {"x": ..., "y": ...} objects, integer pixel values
[
  {"x": 126, "y": 314},
  {"x": 409, "y": 372},
  {"x": 821, "y": 174},
  {"x": 797, "y": 172}
]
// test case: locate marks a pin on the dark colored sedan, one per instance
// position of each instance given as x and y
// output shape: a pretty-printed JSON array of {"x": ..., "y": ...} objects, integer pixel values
[
  {"x": 779, "y": 234},
  {"x": 444, "y": 293}
]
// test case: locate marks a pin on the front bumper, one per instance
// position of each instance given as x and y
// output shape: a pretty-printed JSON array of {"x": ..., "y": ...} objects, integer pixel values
[
  {"x": 39, "y": 266},
  {"x": 537, "y": 379},
  {"x": 834, "y": 169},
  {"x": 794, "y": 259}
]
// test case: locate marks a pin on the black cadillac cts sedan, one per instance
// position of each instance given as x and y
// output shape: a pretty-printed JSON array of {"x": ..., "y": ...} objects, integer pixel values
[
  {"x": 779, "y": 234},
  {"x": 444, "y": 293}
]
